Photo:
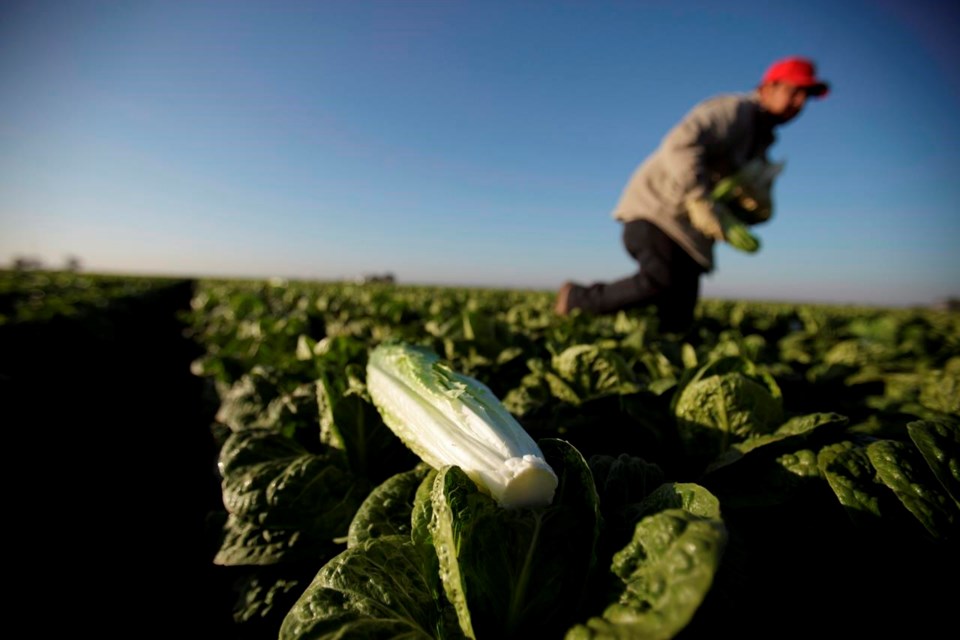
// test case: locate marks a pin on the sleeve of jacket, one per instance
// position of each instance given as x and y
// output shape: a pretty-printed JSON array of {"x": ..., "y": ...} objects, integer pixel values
[{"x": 700, "y": 138}]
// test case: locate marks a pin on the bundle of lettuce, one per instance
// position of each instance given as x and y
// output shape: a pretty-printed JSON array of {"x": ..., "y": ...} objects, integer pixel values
[{"x": 746, "y": 196}]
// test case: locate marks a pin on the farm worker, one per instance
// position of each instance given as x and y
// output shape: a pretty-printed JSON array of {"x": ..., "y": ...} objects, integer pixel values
[{"x": 670, "y": 224}]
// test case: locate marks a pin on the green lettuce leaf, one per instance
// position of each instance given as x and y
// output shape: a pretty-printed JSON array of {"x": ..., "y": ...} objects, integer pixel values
[
  {"x": 376, "y": 589},
  {"x": 388, "y": 509},
  {"x": 666, "y": 572},
  {"x": 901, "y": 467},
  {"x": 516, "y": 572},
  {"x": 939, "y": 443}
]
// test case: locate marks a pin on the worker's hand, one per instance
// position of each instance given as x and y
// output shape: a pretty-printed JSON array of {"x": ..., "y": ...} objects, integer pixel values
[
  {"x": 755, "y": 211},
  {"x": 754, "y": 207},
  {"x": 705, "y": 217},
  {"x": 755, "y": 191}
]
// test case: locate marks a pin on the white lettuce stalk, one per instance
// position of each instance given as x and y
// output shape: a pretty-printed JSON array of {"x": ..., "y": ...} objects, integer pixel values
[{"x": 448, "y": 418}]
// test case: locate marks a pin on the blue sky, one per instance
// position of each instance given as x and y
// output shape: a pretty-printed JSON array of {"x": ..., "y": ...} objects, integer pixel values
[{"x": 466, "y": 143}]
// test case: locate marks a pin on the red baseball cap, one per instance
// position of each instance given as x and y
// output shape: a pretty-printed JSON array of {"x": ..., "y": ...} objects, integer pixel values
[{"x": 798, "y": 71}]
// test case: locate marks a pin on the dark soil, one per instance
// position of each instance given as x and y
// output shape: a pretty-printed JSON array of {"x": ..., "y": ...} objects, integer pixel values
[{"x": 111, "y": 469}]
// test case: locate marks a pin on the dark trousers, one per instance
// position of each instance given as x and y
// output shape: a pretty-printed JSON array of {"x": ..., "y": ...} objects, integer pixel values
[{"x": 668, "y": 279}]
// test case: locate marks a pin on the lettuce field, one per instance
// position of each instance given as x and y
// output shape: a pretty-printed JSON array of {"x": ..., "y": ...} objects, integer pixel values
[{"x": 204, "y": 457}]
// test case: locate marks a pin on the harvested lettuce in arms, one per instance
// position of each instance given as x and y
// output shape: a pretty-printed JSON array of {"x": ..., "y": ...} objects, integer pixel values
[
  {"x": 449, "y": 419},
  {"x": 748, "y": 192},
  {"x": 737, "y": 234},
  {"x": 748, "y": 200}
]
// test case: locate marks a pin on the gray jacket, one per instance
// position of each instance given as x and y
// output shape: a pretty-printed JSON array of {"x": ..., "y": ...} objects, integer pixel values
[{"x": 715, "y": 139}]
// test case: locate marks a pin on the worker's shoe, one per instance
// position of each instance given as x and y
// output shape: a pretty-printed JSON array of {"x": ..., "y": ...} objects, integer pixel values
[{"x": 562, "y": 306}]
